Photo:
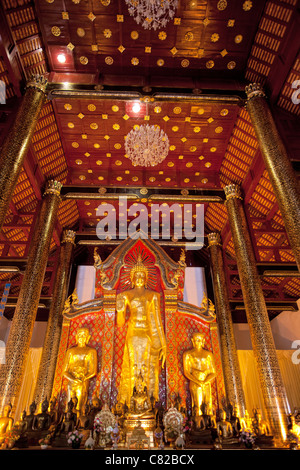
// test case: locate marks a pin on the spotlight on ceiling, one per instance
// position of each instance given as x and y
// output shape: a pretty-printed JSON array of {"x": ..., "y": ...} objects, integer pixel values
[
  {"x": 136, "y": 107},
  {"x": 61, "y": 58}
]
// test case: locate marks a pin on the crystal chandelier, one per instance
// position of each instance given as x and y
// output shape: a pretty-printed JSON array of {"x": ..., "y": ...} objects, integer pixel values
[
  {"x": 152, "y": 13},
  {"x": 146, "y": 145}
]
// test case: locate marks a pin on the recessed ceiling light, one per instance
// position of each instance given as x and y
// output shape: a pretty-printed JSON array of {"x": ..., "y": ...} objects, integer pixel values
[
  {"x": 61, "y": 58},
  {"x": 136, "y": 107}
]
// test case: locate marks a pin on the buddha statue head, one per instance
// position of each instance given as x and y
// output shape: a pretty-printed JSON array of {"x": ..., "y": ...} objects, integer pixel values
[
  {"x": 82, "y": 336},
  {"x": 139, "y": 274},
  {"x": 198, "y": 340}
]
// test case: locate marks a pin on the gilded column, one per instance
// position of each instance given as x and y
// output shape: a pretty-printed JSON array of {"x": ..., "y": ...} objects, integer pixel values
[
  {"x": 109, "y": 307},
  {"x": 16, "y": 144},
  {"x": 17, "y": 347},
  {"x": 278, "y": 164},
  {"x": 230, "y": 363},
  {"x": 257, "y": 315},
  {"x": 45, "y": 378}
]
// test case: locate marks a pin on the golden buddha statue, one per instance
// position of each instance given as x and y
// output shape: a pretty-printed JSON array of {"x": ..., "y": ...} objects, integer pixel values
[
  {"x": 246, "y": 422},
  {"x": 140, "y": 405},
  {"x": 145, "y": 343},
  {"x": 6, "y": 422},
  {"x": 199, "y": 368},
  {"x": 294, "y": 430},
  {"x": 79, "y": 367}
]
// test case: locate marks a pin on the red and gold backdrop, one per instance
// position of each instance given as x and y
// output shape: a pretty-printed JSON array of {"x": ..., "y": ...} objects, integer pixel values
[{"x": 109, "y": 340}]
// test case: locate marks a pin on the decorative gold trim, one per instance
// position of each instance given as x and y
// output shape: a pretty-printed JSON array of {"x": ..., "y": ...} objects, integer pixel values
[
  {"x": 206, "y": 312},
  {"x": 274, "y": 273},
  {"x": 68, "y": 236},
  {"x": 214, "y": 238},
  {"x": 253, "y": 90},
  {"x": 100, "y": 94},
  {"x": 53, "y": 187},
  {"x": 101, "y": 195},
  {"x": 163, "y": 261},
  {"x": 233, "y": 191},
  {"x": 39, "y": 82},
  {"x": 75, "y": 310},
  {"x": 185, "y": 198}
]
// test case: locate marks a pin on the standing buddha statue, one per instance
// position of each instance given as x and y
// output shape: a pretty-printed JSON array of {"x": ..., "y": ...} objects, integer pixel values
[
  {"x": 145, "y": 343},
  {"x": 79, "y": 367},
  {"x": 199, "y": 368}
]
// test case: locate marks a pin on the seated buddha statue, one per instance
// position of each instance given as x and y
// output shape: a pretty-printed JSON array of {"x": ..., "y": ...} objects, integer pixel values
[
  {"x": 42, "y": 421},
  {"x": 53, "y": 412},
  {"x": 235, "y": 420},
  {"x": 260, "y": 426},
  {"x": 294, "y": 429},
  {"x": 140, "y": 404},
  {"x": 29, "y": 419},
  {"x": 69, "y": 422},
  {"x": 246, "y": 422},
  {"x": 225, "y": 430},
  {"x": 6, "y": 422}
]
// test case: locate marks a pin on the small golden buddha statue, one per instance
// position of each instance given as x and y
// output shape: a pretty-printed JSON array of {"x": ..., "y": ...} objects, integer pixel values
[
  {"x": 140, "y": 404},
  {"x": 246, "y": 422},
  {"x": 79, "y": 367},
  {"x": 260, "y": 426},
  {"x": 42, "y": 421},
  {"x": 294, "y": 429},
  {"x": 199, "y": 369},
  {"x": 53, "y": 411},
  {"x": 22, "y": 422},
  {"x": 225, "y": 430},
  {"x": 6, "y": 422}
]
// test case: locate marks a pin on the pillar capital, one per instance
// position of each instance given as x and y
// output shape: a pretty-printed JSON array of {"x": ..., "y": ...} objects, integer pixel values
[
  {"x": 38, "y": 82},
  {"x": 254, "y": 90},
  {"x": 53, "y": 187},
  {"x": 233, "y": 191},
  {"x": 214, "y": 238},
  {"x": 68, "y": 236}
]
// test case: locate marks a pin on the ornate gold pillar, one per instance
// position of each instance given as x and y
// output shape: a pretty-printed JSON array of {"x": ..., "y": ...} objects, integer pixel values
[
  {"x": 109, "y": 307},
  {"x": 257, "y": 315},
  {"x": 278, "y": 164},
  {"x": 17, "y": 347},
  {"x": 16, "y": 144},
  {"x": 47, "y": 366},
  {"x": 230, "y": 362}
]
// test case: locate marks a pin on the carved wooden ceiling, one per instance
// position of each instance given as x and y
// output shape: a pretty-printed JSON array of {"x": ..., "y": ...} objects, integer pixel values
[{"x": 210, "y": 48}]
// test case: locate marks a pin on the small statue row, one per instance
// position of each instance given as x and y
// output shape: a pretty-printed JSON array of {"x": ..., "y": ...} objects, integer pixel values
[
  {"x": 49, "y": 420},
  {"x": 228, "y": 427}
]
